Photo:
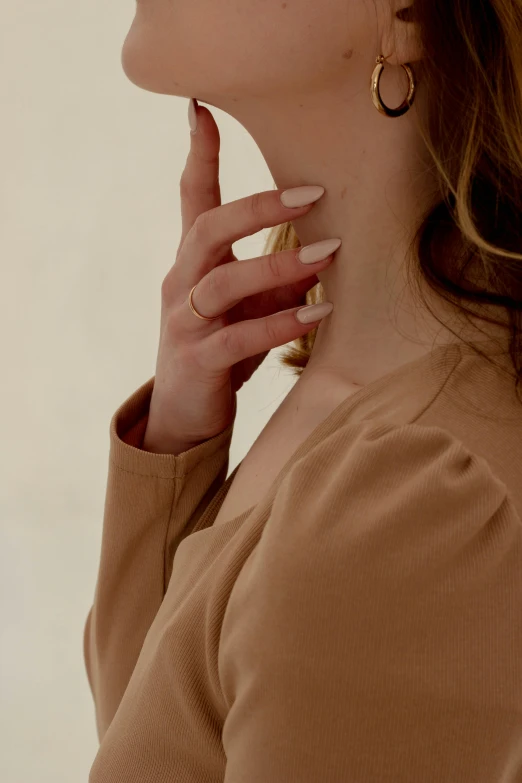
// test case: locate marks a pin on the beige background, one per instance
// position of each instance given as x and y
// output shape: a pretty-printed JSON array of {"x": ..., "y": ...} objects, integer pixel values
[{"x": 90, "y": 225}]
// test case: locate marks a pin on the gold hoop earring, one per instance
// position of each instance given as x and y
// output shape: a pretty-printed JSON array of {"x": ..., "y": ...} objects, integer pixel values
[{"x": 376, "y": 95}]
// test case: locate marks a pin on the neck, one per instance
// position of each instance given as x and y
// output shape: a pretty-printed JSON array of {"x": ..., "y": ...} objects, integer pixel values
[{"x": 379, "y": 182}]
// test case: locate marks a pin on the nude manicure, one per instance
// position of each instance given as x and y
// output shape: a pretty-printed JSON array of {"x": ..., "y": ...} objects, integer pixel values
[
  {"x": 302, "y": 196},
  {"x": 319, "y": 251}
]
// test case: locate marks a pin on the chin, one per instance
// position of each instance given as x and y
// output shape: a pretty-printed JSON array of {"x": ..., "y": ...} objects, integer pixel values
[
  {"x": 146, "y": 63},
  {"x": 163, "y": 54},
  {"x": 138, "y": 66}
]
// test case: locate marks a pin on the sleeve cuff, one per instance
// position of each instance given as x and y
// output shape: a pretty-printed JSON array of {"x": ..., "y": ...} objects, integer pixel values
[{"x": 133, "y": 415}]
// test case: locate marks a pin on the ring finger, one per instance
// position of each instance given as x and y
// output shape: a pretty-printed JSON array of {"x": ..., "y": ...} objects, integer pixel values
[{"x": 225, "y": 286}]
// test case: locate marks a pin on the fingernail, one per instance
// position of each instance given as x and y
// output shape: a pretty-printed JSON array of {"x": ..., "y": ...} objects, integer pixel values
[
  {"x": 300, "y": 197},
  {"x": 193, "y": 115},
  {"x": 319, "y": 251},
  {"x": 307, "y": 315}
]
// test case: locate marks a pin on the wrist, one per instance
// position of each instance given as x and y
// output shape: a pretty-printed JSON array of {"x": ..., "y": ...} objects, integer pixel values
[{"x": 161, "y": 443}]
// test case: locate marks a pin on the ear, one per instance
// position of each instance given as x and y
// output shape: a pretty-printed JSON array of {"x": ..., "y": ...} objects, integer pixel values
[{"x": 402, "y": 38}]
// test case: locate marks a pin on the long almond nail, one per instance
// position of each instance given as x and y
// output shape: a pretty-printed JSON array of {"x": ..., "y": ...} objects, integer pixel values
[
  {"x": 319, "y": 251},
  {"x": 193, "y": 115},
  {"x": 302, "y": 196},
  {"x": 307, "y": 315}
]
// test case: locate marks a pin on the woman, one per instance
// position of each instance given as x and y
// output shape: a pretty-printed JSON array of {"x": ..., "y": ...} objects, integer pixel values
[{"x": 347, "y": 606}]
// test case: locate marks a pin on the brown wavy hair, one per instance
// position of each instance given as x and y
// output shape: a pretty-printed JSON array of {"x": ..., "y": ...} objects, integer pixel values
[{"x": 472, "y": 74}]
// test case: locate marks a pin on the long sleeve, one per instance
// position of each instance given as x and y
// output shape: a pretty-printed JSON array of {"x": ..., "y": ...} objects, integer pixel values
[
  {"x": 153, "y": 501},
  {"x": 375, "y": 631}
]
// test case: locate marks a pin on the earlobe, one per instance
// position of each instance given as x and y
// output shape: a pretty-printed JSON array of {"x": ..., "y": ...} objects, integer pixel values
[
  {"x": 407, "y": 14},
  {"x": 406, "y": 46},
  {"x": 403, "y": 40},
  {"x": 413, "y": 49}
]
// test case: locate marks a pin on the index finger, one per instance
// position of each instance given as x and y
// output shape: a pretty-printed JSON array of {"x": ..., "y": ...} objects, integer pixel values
[{"x": 199, "y": 184}]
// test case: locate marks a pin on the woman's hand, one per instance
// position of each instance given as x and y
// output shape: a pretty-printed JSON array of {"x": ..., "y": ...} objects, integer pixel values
[{"x": 202, "y": 364}]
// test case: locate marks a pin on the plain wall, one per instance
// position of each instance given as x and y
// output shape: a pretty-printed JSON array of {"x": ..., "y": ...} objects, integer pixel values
[{"x": 90, "y": 226}]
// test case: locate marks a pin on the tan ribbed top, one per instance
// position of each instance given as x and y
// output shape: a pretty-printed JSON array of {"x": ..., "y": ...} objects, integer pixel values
[{"x": 361, "y": 624}]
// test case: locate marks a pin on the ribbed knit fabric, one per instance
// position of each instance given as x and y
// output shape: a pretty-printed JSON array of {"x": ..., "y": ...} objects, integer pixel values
[{"x": 361, "y": 624}]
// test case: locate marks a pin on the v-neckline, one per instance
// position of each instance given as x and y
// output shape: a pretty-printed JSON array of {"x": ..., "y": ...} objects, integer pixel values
[
  {"x": 334, "y": 419},
  {"x": 218, "y": 500}
]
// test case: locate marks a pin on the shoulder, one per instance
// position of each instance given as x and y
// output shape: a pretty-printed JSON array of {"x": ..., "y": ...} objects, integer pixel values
[
  {"x": 395, "y": 502},
  {"x": 391, "y": 470}
]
